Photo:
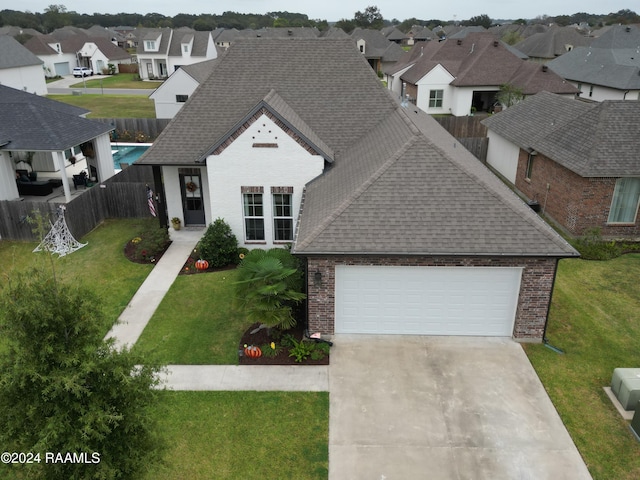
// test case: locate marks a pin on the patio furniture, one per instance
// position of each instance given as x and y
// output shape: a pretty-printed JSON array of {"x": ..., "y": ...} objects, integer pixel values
[
  {"x": 80, "y": 180},
  {"x": 27, "y": 187}
]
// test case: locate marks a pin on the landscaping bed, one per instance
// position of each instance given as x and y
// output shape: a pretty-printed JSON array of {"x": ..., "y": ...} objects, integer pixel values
[{"x": 263, "y": 340}]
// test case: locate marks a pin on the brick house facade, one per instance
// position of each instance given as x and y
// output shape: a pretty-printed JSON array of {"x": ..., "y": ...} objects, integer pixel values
[
  {"x": 572, "y": 201},
  {"x": 533, "y": 303}
]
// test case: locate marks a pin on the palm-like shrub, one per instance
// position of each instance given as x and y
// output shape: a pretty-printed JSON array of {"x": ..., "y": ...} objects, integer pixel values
[{"x": 269, "y": 285}]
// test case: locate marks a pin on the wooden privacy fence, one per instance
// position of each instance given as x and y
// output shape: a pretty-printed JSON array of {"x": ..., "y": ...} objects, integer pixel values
[
  {"x": 129, "y": 129},
  {"x": 122, "y": 196},
  {"x": 469, "y": 132}
]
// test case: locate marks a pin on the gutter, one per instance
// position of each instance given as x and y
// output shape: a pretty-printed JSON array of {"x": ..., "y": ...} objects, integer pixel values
[{"x": 545, "y": 341}]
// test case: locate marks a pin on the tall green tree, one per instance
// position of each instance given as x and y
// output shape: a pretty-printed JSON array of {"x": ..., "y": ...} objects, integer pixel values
[
  {"x": 370, "y": 18},
  {"x": 479, "y": 20},
  {"x": 63, "y": 388},
  {"x": 509, "y": 95},
  {"x": 55, "y": 16}
]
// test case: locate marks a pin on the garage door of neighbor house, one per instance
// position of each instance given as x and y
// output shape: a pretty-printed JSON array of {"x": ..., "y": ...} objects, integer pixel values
[
  {"x": 62, "y": 68},
  {"x": 475, "y": 301}
]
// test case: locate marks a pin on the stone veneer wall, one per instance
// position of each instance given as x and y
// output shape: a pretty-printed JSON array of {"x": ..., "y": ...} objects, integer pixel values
[{"x": 533, "y": 303}]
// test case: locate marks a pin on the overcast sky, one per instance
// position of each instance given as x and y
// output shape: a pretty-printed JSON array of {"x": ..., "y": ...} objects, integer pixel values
[{"x": 333, "y": 10}]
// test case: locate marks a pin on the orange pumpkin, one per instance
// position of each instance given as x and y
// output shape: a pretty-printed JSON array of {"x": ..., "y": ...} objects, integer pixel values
[
  {"x": 202, "y": 264},
  {"x": 253, "y": 352}
]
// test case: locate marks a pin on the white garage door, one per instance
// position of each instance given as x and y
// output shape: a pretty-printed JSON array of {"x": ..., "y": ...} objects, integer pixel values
[
  {"x": 479, "y": 301},
  {"x": 62, "y": 68}
]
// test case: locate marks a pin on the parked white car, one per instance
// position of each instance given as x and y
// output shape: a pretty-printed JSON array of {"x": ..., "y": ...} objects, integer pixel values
[{"x": 82, "y": 72}]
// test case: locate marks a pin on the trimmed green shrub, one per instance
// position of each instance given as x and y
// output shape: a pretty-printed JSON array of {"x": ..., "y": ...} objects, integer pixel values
[{"x": 219, "y": 246}]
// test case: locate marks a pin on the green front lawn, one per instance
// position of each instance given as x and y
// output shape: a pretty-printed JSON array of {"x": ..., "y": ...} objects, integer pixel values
[
  {"x": 249, "y": 435},
  {"x": 121, "y": 80},
  {"x": 111, "y": 106},
  {"x": 197, "y": 322},
  {"x": 595, "y": 320},
  {"x": 101, "y": 264}
]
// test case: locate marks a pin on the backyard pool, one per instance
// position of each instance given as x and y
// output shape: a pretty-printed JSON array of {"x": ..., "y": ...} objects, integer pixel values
[{"x": 127, "y": 153}]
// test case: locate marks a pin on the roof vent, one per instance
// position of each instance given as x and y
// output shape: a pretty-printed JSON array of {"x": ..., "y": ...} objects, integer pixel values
[
  {"x": 544, "y": 68},
  {"x": 459, "y": 41},
  {"x": 289, "y": 32},
  {"x": 496, "y": 43},
  {"x": 628, "y": 29}
]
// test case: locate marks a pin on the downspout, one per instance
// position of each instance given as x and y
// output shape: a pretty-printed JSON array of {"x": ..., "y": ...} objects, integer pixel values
[{"x": 546, "y": 322}]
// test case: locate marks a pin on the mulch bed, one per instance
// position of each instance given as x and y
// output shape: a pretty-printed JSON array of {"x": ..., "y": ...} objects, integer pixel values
[
  {"x": 262, "y": 338},
  {"x": 130, "y": 249}
]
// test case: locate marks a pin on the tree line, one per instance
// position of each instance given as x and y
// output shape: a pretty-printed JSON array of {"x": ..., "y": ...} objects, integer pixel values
[{"x": 57, "y": 16}]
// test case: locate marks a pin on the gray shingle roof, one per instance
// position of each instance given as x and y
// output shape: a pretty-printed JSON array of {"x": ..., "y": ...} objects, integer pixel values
[
  {"x": 13, "y": 55},
  {"x": 397, "y": 185},
  {"x": 480, "y": 59},
  {"x": 552, "y": 43},
  {"x": 618, "y": 36},
  {"x": 35, "y": 123},
  {"x": 258, "y": 66},
  {"x": 186, "y": 35},
  {"x": 153, "y": 34},
  {"x": 73, "y": 43},
  {"x": 200, "y": 71},
  {"x": 377, "y": 46},
  {"x": 619, "y": 68},
  {"x": 590, "y": 139},
  {"x": 409, "y": 188}
]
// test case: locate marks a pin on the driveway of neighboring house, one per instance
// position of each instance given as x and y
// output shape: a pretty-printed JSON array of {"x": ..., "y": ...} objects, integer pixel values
[{"x": 453, "y": 408}]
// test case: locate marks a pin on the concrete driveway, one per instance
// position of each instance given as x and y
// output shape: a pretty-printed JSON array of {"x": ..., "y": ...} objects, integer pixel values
[{"x": 442, "y": 408}]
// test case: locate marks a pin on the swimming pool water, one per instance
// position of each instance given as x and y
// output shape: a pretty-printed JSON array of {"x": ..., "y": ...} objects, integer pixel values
[{"x": 123, "y": 153}]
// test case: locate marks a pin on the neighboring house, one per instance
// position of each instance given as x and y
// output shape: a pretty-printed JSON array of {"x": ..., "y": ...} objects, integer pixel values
[
  {"x": 50, "y": 138},
  {"x": 379, "y": 52},
  {"x": 552, "y": 43},
  {"x": 608, "y": 69},
  {"x": 62, "y": 55},
  {"x": 169, "y": 97},
  {"x": 129, "y": 35},
  {"x": 19, "y": 68},
  {"x": 459, "y": 76},
  {"x": 161, "y": 51},
  {"x": 118, "y": 39},
  {"x": 579, "y": 160},
  {"x": 225, "y": 38},
  {"x": 418, "y": 33},
  {"x": 394, "y": 35},
  {"x": 402, "y": 230}
]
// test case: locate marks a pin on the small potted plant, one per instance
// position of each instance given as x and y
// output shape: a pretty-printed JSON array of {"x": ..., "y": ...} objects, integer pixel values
[{"x": 175, "y": 223}]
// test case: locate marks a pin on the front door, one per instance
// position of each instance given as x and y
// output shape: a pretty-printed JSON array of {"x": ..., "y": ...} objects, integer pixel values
[{"x": 192, "y": 201}]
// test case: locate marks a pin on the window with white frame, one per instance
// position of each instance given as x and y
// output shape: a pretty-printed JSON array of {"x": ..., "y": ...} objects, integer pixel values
[
  {"x": 282, "y": 217},
  {"x": 435, "y": 98},
  {"x": 626, "y": 198},
  {"x": 182, "y": 98},
  {"x": 149, "y": 45},
  {"x": 253, "y": 210},
  {"x": 529, "y": 170}
]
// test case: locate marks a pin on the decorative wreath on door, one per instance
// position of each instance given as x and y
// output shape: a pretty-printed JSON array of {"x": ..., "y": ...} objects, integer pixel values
[{"x": 191, "y": 187}]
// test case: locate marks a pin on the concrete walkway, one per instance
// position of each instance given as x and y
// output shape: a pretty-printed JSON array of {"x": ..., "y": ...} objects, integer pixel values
[
  {"x": 146, "y": 300},
  {"x": 143, "y": 305}
]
